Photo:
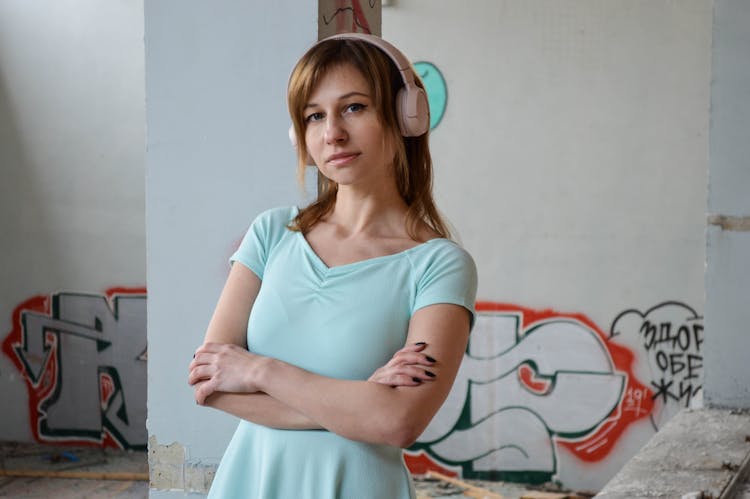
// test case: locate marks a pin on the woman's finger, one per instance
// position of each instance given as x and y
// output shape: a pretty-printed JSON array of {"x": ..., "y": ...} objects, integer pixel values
[
  {"x": 202, "y": 391},
  {"x": 410, "y": 358},
  {"x": 402, "y": 376},
  {"x": 199, "y": 373},
  {"x": 416, "y": 372}
]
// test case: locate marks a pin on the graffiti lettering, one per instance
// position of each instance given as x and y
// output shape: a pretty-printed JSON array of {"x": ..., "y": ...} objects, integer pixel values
[
  {"x": 533, "y": 384},
  {"x": 530, "y": 379},
  {"x": 671, "y": 336},
  {"x": 83, "y": 359},
  {"x": 683, "y": 338},
  {"x": 633, "y": 401}
]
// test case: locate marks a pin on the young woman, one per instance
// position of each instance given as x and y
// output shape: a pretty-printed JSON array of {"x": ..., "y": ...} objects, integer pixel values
[{"x": 342, "y": 325}]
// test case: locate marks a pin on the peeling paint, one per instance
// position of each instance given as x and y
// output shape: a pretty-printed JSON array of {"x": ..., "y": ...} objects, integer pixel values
[{"x": 170, "y": 470}]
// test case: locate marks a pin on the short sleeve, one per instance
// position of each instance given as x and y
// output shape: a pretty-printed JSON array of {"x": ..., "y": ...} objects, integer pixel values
[
  {"x": 449, "y": 275},
  {"x": 263, "y": 235}
]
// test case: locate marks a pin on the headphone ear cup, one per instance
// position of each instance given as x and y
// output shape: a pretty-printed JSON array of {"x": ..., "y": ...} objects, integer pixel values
[
  {"x": 293, "y": 139},
  {"x": 413, "y": 111}
]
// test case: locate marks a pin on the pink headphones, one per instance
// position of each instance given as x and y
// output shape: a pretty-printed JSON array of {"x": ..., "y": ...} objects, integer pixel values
[{"x": 412, "y": 108}]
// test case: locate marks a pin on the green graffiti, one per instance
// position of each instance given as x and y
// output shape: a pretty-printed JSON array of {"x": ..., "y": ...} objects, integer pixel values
[{"x": 437, "y": 91}]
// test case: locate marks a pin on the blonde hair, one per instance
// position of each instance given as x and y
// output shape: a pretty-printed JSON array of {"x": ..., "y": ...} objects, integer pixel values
[{"x": 412, "y": 161}]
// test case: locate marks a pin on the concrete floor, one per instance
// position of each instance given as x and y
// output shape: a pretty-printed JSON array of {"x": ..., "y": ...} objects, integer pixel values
[
  {"x": 48, "y": 461},
  {"x": 67, "y": 488},
  {"x": 25, "y": 459}
]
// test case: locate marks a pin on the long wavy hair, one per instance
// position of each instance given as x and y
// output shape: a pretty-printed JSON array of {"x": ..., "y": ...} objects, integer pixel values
[{"x": 412, "y": 160}]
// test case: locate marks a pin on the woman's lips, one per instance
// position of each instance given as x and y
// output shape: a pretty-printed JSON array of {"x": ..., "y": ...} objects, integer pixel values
[{"x": 341, "y": 158}]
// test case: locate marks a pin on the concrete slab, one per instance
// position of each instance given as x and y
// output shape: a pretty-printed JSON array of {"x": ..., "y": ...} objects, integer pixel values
[
  {"x": 430, "y": 488},
  {"x": 699, "y": 450}
]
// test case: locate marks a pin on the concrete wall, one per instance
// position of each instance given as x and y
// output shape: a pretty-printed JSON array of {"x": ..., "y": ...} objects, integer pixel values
[
  {"x": 72, "y": 303},
  {"x": 218, "y": 154},
  {"x": 572, "y": 158},
  {"x": 728, "y": 233}
]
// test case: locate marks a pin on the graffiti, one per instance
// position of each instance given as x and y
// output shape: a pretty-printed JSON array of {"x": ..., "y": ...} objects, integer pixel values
[
  {"x": 536, "y": 383},
  {"x": 83, "y": 359},
  {"x": 670, "y": 334},
  {"x": 349, "y": 9},
  {"x": 437, "y": 91},
  {"x": 530, "y": 382}
]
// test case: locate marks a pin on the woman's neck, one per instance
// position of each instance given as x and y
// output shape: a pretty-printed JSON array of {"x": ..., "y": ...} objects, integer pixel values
[{"x": 377, "y": 212}]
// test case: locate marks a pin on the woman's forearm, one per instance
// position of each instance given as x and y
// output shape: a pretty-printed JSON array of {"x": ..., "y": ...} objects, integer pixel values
[
  {"x": 261, "y": 409},
  {"x": 358, "y": 410},
  {"x": 369, "y": 411}
]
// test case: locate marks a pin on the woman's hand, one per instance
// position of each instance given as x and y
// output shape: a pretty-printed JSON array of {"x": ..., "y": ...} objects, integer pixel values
[
  {"x": 407, "y": 367},
  {"x": 223, "y": 367}
]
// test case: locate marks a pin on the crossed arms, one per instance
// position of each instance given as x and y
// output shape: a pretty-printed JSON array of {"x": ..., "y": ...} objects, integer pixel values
[{"x": 393, "y": 407}]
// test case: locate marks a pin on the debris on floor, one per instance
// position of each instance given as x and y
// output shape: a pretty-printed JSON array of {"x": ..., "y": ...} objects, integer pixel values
[{"x": 43, "y": 471}]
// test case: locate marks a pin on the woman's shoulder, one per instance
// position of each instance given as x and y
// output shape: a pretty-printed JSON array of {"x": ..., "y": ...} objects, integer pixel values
[
  {"x": 271, "y": 225},
  {"x": 443, "y": 246},
  {"x": 441, "y": 252},
  {"x": 280, "y": 215}
]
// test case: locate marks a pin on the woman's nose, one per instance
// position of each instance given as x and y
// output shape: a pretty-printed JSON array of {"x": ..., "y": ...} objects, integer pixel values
[{"x": 335, "y": 131}]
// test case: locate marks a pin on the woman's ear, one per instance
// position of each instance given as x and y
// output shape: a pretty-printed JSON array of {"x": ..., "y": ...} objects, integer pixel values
[{"x": 293, "y": 139}]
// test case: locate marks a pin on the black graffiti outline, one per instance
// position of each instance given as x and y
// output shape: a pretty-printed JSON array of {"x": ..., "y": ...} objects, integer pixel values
[
  {"x": 63, "y": 326},
  {"x": 672, "y": 363}
]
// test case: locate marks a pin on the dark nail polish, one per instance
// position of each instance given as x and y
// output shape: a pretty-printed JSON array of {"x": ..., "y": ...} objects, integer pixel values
[
  {"x": 429, "y": 358},
  {"x": 420, "y": 343},
  {"x": 416, "y": 380},
  {"x": 430, "y": 374}
]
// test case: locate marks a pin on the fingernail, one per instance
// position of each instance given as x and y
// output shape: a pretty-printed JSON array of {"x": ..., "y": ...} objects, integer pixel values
[
  {"x": 420, "y": 343},
  {"x": 429, "y": 358},
  {"x": 430, "y": 374},
  {"x": 416, "y": 380}
]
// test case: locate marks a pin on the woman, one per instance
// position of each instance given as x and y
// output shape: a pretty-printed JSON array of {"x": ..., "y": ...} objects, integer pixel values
[{"x": 347, "y": 320}]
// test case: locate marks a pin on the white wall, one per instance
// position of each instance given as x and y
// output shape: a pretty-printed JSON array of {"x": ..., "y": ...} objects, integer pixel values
[
  {"x": 71, "y": 157},
  {"x": 572, "y": 158}
]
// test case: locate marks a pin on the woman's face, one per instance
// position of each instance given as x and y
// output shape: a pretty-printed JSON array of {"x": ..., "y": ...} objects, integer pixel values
[{"x": 344, "y": 134}]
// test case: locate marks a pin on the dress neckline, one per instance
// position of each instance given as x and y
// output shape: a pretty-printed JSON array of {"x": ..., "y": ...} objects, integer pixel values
[{"x": 359, "y": 263}]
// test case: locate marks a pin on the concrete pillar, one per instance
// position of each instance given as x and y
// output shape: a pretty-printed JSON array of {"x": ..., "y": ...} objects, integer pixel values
[
  {"x": 217, "y": 155},
  {"x": 727, "y": 320}
]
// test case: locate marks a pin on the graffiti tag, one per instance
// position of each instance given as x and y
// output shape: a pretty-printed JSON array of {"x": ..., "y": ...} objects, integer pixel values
[
  {"x": 83, "y": 359},
  {"x": 671, "y": 335},
  {"x": 530, "y": 379}
]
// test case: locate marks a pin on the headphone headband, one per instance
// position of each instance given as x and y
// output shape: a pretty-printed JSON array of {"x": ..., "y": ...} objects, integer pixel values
[
  {"x": 398, "y": 58},
  {"x": 412, "y": 108}
]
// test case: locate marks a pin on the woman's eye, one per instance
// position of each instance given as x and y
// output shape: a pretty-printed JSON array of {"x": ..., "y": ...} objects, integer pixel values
[
  {"x": 353, "y": 108},
  {"x": 313, "y": 117}
]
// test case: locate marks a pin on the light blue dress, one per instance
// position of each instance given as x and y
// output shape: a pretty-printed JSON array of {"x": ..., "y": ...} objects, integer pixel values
[{"x": 343, "y": 322}]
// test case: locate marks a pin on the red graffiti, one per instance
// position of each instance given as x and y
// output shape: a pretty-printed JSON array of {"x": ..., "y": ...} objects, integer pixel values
[
  {"x": 419, "y": 463},
  {"x": 528, "y": 378},
  {"x": 636, "y": 403},
  {"x": 106, "y": 389},
  {"x": 42, "y": 385},
  {"x": 359, "y": 22}
]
